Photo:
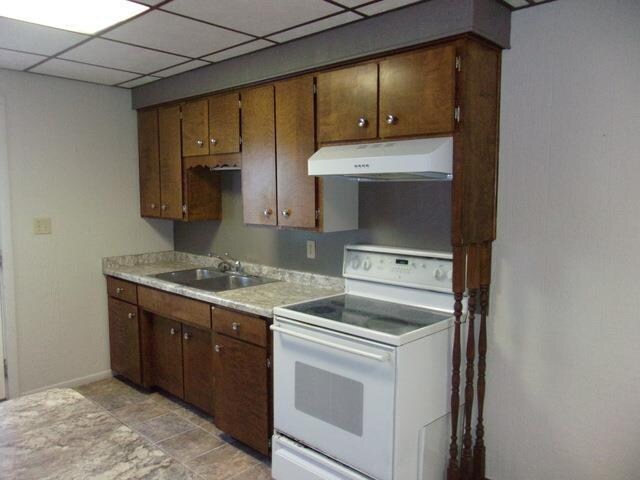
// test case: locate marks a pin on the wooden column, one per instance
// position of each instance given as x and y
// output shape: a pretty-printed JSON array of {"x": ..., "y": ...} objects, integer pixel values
[
  {"x": 473, "y": 281},
  {"x": 485, "y": 280},
  {"x": 459, "y": 274}
]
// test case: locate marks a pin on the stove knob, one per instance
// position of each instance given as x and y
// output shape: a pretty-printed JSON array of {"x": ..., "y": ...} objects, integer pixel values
[
  {"x": 438, "y": 274},
  {"x": 367, "y": 264}
]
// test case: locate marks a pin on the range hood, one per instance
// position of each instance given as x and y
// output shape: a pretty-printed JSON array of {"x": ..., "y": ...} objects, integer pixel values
[{"x": 400, "y": 160}]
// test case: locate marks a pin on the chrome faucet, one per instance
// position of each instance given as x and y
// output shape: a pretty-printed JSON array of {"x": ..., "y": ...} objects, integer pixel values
[
  {"x": 237, "y": 265},
  {"x": 227, "y": 263}
]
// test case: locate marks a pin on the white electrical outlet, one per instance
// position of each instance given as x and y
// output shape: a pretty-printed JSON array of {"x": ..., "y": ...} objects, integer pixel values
[
  {"x": 311, "y": 249},
  {"x": 42, "y": 226}
]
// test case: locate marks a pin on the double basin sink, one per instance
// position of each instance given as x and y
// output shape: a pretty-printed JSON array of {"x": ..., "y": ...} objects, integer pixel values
[{"x": 212, "y": 280}]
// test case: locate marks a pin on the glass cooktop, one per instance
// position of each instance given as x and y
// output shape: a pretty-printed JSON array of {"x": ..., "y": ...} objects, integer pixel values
[{"x": 386, "y": 317}]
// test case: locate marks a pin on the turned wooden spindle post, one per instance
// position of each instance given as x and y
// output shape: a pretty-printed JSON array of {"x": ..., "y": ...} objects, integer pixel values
[
  {"x": 473, "y": 280},
  {"x": 459, "y": 274},
  {"x": 485, "y": 280}
]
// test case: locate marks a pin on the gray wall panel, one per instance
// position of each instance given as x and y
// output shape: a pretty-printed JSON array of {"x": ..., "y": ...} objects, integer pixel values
[{"x": 409, "y": 26}]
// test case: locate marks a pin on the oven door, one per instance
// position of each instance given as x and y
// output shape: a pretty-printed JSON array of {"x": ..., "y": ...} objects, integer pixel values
[{"x": 335, "y": 393}]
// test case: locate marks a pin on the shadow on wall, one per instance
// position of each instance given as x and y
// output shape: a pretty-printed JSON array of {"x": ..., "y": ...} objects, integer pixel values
[{"x": 405, "y": 214}]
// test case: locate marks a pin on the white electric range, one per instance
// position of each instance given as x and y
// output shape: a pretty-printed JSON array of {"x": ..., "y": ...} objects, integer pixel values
[{"x": 362, "y": 379}]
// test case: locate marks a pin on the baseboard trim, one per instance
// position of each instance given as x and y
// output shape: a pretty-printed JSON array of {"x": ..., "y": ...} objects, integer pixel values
[{"x": 94, "y": 377}]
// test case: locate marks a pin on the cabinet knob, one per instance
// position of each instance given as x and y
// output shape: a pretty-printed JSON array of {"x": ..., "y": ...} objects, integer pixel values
[
  {"x": 153, "y": 206},
  {"x": 267, "y": 212},
  {"x": 214, "y": 141},
  {"x": 187, "y": 336},
  {"x": 286, "y": 212},
  {"x": 235, "y": 326},
  {"x": 163, "y": 207},
  {"x": 172, "y": 331},
  {"x": 119, "y": 290},
  {"x": 363, "y": 122},
  {"x": 217, "y": 348},
  {"x": 131, "y": 315},
  {"x": 200, "y": 143},
  {"x": 392, "y": 119}
]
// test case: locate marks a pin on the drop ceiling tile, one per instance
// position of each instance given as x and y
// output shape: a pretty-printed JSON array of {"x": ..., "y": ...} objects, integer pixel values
[
  {"x": 314, "y": 27},
  {"x": 29, "y": 37},
  {"x": 181, "y": 68},
  {"x": 352, "y": 3},
  {"x": 517, "y": 3},
  {"x": 383, "y": 6},
  {"x": 18, "y": 60},
  {"x": 175, "y": 34},
  {"x": 256, "y": 17},
  {"x": 239, "y": 50},
  {"x": 136, "y": 82},
  {"x": 118, "y": 55},
  {"x": 80, "y": 71},
  {"x": 148, "y": 2}
]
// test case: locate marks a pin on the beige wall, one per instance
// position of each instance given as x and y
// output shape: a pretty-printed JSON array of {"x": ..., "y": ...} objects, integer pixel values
[
  {"x": 564, "y": 369},
  {"x": 72, "y": 157}
]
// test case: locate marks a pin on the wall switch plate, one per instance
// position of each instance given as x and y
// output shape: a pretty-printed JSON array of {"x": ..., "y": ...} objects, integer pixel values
[
  {"x": 42, "y": 226},
  {"x": 311, "y": 249}
]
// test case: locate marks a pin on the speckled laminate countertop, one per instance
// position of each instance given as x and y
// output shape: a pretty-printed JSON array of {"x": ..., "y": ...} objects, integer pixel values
[{"x": 292, "y": 287}]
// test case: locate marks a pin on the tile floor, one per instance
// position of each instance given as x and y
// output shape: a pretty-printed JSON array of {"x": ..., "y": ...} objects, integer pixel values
[{"x": 183, "y": 433}]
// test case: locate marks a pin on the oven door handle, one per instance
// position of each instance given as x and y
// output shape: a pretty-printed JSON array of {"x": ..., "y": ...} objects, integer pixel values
[{"x": 373, "y": 356}]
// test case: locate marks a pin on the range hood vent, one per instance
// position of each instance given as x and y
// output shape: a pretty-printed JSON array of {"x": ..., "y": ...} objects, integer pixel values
[{"x": 402, "y": 160}]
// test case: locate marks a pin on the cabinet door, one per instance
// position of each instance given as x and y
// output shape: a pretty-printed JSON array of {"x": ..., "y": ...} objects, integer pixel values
[
  {"x": 259, "y": 156},
  {"x": 224, "y": 123},
  {"x": 241, "y": 404},
  {"x": 170, "y": 162},
  {"x": 295, "y": 143},
  {"x": 195, "y": 128},
  {"x": 166, "y": 355},
  {"x": 348, "y": 104},
  {"x": 417, "y": 93},
  {"x": 124, "y": 339},
  {"x": 149, "y": 163},
  {"x": 198, "y": 367}
]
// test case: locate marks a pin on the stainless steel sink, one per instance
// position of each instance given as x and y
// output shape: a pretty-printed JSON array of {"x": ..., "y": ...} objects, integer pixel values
[{"x": 212, "y": 280}]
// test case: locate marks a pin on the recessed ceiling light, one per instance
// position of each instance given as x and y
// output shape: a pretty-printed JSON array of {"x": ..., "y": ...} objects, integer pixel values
[{"x": 82, "y": 16}]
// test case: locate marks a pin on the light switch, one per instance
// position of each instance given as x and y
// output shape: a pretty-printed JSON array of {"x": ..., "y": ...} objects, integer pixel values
[
  {"x": 42, "y": 226},
  {"x": 311, "y": 249}
]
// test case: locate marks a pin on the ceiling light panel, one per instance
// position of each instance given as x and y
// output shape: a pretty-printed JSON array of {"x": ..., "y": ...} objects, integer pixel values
[
  {"x": 112, "y": 54},
  {"x": 18, "y": 60},
  {"x": 28, "y": 37},
  {"x": 80, "y": 71},
  {"x": 175, "y": 34},
  {"x": 255, "y": 17},
  {"x": 82, "y": 16}
]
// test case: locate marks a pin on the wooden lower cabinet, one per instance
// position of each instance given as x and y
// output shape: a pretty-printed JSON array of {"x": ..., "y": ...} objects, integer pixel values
[
  {"x": 197, "y": 360},
  {"x": 165, "y": 356},
  {"x": 124, "y": 340},
  {"x": 241, "y": 405}
]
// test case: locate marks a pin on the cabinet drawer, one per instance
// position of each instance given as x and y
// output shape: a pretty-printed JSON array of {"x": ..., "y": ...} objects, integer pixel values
[
  {"x": 241, "y": 326},
  {"x": 174, "y": 306},
  {"x": 123, "y": 290}
]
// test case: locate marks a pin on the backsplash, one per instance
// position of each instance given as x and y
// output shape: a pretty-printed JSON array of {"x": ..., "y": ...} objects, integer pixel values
[{"x": 403, "y": 214}]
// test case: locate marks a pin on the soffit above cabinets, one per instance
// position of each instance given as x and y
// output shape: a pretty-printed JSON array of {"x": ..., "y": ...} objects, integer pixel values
[{"x": 174, "y": 36}]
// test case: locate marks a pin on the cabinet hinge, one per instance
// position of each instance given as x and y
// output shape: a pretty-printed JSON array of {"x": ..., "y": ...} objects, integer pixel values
[
  {"x": 241, "y": 140},
  {"x": 184, "y": 208},
  {"x": 317, "y": 214},
  {"x": 315, "y": 89},
  {"x": 268, "y": 363},
  {"x": 180, "y": 114},
  {"x": 239, "y": 103},
  {"x": 456, "y": 113},
  {"x": 269, "y": 442},
  {"x": 459, "y": 63}
]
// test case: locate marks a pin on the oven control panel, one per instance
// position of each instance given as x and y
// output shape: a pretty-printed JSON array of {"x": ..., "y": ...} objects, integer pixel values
[{"x": 405, "y": 267}]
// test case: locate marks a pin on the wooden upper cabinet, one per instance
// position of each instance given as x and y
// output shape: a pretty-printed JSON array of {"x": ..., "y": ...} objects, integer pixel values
[
  {"x": 295, "y": 143},
  {"x": 417, "y": 93},
  {"x": 224, "y": 123},
  {"x": 170, "y": 162},
  {"x": 348, "y": 104},
  {"x": 149, "y": 163},
  {"x": 259, "y": 156},
  {"x": 195, "y": 128}
]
